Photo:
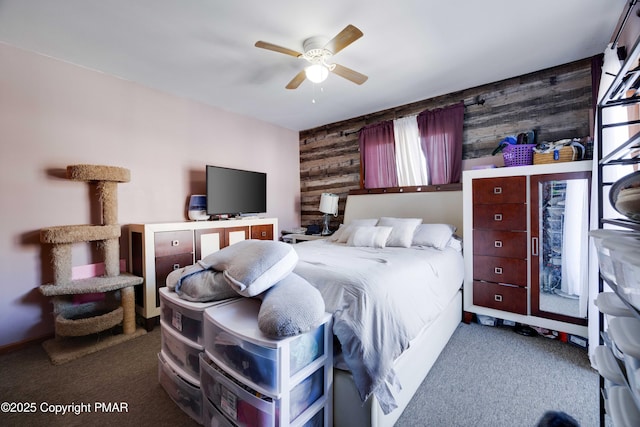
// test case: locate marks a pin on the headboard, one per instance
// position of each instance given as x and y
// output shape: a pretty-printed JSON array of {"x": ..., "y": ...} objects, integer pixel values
[{"x": 432, "y": 206}]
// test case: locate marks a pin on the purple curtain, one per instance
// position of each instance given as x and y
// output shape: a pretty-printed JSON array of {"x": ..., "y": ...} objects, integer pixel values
[
  {"x": 441, "y": 140},
  {"x": 377, "y": 155}
]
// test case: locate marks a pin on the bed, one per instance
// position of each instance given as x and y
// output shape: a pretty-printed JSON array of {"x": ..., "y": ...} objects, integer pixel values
[{"x": 402, "y": 361}]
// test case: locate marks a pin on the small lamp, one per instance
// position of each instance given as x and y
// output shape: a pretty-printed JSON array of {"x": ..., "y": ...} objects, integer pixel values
[{"x": 328, "y": 206}]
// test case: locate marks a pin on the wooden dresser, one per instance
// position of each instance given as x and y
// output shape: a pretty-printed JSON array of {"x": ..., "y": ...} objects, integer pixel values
[
  {"x": 500, "y": 243},
  {"x": 509, "y": 246}
]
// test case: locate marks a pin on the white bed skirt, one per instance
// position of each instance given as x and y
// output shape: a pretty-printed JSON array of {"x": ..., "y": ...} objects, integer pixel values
[{"x": 411, "y": 367}]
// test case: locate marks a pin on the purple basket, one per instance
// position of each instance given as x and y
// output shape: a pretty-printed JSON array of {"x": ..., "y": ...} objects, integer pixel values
[{"x": 518, "y": 154}]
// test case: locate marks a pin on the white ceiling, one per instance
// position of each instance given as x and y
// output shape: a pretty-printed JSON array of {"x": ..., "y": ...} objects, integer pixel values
[{"x": 411, "y": 49}]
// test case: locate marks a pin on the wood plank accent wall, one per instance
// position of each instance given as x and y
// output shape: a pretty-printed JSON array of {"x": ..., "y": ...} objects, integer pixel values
[{"x": 555, "y": 102}]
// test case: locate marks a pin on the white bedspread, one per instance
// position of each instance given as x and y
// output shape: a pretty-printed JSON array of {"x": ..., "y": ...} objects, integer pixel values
[{"x": 380, "y": 300}]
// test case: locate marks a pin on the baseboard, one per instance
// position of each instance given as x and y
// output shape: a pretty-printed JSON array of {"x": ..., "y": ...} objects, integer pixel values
[{"x": 9, "y": 348}]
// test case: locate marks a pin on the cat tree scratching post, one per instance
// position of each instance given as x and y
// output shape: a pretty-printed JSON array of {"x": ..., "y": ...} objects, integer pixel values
[{"x": 75, "y": 323}]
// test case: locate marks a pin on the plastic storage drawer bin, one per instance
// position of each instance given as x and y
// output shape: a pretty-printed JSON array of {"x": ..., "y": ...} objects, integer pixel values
[
  {"x": 187, "y": 396},
  {"x": 234, "y": 341},
  {"x": 212, "y": 417},
  {"x": 245, "y": 406},
  {"x": 625, "y": 332},
  {"x": 628, "y": 276},
  {"x": 605, "y": 260},
  {"x": 184, "y": 317},
  {"x": 183, "y": 353}
]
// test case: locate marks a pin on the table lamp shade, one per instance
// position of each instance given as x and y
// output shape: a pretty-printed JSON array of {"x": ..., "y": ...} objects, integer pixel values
[{"x": 329, "y": 203}]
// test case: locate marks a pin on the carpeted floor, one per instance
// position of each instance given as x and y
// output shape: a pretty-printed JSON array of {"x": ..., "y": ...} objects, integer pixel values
[{"x": 486, "y": 376}]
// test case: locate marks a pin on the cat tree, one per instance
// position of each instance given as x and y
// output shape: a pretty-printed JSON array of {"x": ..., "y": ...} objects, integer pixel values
[{"x": 80, "y": 321}]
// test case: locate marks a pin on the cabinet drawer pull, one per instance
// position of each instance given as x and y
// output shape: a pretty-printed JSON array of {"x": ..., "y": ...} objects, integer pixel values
[
  {"x": 497, "y": 270},
  {"x": 497, "y": 190},
  {"x": 176, "y": 266},
  {"x": 497, "y": 217},
  {"x": 175, "y": 243},
  {"x": 497, "y": 243},
  {"x": 263, "y": 234},
  {"x": 497, "y": 297}
]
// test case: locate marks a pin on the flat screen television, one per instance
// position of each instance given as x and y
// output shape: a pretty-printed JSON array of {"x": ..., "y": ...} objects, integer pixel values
[{"x": 235, "y": 192}]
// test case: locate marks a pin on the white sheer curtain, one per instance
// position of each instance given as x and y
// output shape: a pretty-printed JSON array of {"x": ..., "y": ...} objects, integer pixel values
[
  {"x": 410, "y": 160},
  {"x": 575, "y": 242}
]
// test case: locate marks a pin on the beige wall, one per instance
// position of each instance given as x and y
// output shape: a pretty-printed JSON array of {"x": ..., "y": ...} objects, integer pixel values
[{"x": 54, "y": 114}]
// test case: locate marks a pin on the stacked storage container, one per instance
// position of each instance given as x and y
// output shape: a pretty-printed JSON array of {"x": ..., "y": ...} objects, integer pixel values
[
  {"x": 182, "y": 332},
  {"x": 248, "y": 378},
  {"x": 618, "y": 360}
]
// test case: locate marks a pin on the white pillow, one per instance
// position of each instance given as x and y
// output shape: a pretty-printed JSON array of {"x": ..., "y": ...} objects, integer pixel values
[
  {"x": 403, "y": 229},
  {"x": 369, "y": 236},
  {"x": 346, "y": 230},
  {"x": 433, "y": 235}
]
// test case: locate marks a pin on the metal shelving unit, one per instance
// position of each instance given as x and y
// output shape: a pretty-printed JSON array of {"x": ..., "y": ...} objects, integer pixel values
[{"x": 624, "y": 91}]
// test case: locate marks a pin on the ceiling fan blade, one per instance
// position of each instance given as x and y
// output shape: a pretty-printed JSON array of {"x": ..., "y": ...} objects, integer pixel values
[
  {"x": 343, "y": 39},
  {"x": 297, "y": 80},
  {"x": 276, "y": 48},
  {"x": 349, "y": 74}
]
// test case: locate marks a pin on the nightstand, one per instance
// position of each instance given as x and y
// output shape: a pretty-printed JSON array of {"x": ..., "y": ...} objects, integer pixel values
[{"x": 295, "y": 238}]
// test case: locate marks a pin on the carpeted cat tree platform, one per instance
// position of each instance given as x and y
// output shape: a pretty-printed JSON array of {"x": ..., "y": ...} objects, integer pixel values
[{"x": 86, "y": 325}]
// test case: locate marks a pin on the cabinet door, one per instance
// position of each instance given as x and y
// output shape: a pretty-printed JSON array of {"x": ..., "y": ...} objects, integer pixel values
[
  {"x": 208, "y": 241},
  {"x": 165, "y": 265},
  {"x": 211, "y": 240},
  {"x": 262, "y": 232},
  {"x": 236, "y": 234},
  {"x": 173, "y": 242},
  {"x": 559, "y": 241}
]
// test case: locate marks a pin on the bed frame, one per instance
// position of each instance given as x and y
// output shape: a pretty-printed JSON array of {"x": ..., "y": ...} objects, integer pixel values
[{"x": 416, "y": 362}]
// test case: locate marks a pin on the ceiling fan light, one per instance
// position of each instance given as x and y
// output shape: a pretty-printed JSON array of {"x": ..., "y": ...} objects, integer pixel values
[{"x": 316, "y": 73}]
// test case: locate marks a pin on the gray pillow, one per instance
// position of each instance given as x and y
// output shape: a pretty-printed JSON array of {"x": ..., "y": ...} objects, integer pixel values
[
  {"x": 291, "y": 307},
  {"x": 198, "y": 284},
  {"x": 251, "y": 267}
]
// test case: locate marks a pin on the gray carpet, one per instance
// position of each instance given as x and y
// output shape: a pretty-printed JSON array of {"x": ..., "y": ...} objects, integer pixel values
[
  {"x": 493, "y": 377},
  {"x": 486, "y": 376}
]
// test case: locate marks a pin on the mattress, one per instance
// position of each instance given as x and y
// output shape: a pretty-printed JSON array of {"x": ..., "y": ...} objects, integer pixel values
[{"x": 381, "y": 298}]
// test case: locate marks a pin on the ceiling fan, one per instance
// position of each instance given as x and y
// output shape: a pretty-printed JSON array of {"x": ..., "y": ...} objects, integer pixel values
[{"x": 318, "y": 52}]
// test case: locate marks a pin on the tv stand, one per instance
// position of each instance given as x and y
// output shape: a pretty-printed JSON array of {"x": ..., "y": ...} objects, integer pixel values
[{"x": 157, "y": 249}]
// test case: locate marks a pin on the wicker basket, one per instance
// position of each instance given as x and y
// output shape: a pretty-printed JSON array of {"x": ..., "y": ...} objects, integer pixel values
[
  {"x": 562, "y": 154},
  {"x": 518, "y": 154}
]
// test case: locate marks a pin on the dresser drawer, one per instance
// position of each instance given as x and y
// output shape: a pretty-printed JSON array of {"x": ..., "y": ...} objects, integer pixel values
[
  {"x": 501, "y": 270},
  {"x": 173, "y": 242},
  {"x": 508, "y": 244},
  {"x": 500, "y": 297},
  {"x": 165, "y": 265},
  {"x": 502, "y": 216},
  {"x": 500, "y": 190},
  {"x": 262, "y": 232}
]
